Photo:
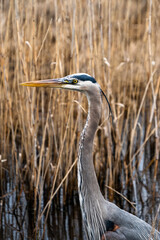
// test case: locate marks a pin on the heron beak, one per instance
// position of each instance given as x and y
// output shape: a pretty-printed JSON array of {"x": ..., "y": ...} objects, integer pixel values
[{"x": 51, "y": 83}]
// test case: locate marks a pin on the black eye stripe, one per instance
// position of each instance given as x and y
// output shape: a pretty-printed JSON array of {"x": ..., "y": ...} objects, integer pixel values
[{"x": 83, "y": 77}]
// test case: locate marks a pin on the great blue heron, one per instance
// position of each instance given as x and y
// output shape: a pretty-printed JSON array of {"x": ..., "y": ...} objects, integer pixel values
[{"x": 102, "y": 219}]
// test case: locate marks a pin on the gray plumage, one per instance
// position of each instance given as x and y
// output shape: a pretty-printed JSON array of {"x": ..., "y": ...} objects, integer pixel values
[
  {"x": 95, "y": 209},
  {"x": 102, "y": 219}
]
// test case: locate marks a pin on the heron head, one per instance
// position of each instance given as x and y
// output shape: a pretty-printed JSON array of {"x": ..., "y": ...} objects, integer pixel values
[
  {"x": 81, "y": 82},
  {"x": 77, "y": 82}
]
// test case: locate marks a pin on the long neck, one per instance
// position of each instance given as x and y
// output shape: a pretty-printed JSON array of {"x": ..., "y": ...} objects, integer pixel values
[
  {"x": 91, "y": 199},
  {"x": 87, "y": 180}
]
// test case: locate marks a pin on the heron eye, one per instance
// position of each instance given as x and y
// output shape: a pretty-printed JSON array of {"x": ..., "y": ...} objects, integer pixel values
[{"x": 74, "y": 81}]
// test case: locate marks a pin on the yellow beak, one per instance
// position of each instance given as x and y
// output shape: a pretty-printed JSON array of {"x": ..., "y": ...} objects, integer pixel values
[{"x": 51, "y": 83}]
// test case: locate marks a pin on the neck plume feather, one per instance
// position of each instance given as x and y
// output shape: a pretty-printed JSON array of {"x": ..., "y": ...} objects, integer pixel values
[{"x": 89, "y": 192}]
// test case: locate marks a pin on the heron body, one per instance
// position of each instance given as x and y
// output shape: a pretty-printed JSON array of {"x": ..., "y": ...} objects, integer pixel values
[{"x": 102, "y": 219}]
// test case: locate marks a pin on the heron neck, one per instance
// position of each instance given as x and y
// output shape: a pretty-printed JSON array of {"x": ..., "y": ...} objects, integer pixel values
[{"x": 87, "y": 180}]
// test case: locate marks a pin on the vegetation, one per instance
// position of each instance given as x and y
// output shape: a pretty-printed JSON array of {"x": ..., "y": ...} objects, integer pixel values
[{"x": 117, "y": 42}]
